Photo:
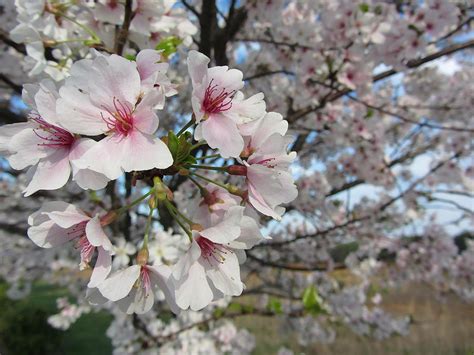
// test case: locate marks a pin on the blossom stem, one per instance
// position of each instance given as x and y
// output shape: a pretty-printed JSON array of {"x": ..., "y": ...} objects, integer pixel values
[
  {"x": 180, "y": 214},
  {"x": 186, "y": 126},
  {"x": 200, "y": 187},
  {"x": 148, "y": 226},
  {"x": 207, "y": 156},
  {"x": 173, "y": 211},
  {"x": 224, "y": 186},
  {"x": 197, "y": 145},
  {"x": 209, "y": 167},
  {"x": 135, "y": 202},
  {"x": 94, "y": 35}
]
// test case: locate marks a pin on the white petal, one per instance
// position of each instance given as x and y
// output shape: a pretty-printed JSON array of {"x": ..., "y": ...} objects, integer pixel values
[
  {"x": 119, "y": 284},
  {"x": 102, "y": 268},
  {"x": 226, "y": 275},
  {"x": 96, "y": 236},
  {"x": 194, "y": 291}
]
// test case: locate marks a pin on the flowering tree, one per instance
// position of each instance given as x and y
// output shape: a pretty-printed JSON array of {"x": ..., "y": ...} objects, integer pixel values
[{"x": 164, "y": 142}]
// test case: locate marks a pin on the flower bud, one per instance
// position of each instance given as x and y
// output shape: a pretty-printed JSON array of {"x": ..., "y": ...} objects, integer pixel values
[
  {"x": 197, "y": 227},
  {"x": 108, "y": 218},
  {"x": 142, "y": 257},
  {"x": 237, "y": 170},
  {"x": 152, "y": 202}
]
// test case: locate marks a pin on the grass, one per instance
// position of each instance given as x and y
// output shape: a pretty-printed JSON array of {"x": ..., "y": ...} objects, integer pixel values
[
  {"x": 441, "y": 327},
  {"x": 86, "y": 336}
]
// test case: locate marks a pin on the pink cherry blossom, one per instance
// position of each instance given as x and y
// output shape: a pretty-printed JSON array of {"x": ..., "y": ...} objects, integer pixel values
[
  {"x": 133, "y": 288},
  {"x": 45, "y": 146},
  {"x": 210, "y": 267},
  {"x": 217, "y": 105},
  {"x": 105, "y": 96},
  {"x": 58, "y": 222},
  {"x": 268, "y": 180}
]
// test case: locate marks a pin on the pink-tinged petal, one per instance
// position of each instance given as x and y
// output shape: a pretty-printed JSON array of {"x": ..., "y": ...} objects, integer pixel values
[
  {"x": 77, "y": 114},
  {"x": 102, "y": 268},
  {"x": 88, "y": 179},
  {"x": 144, "y": 117},
  {"x": 181, "y": 268},
  {"x": 96, "y": 236},
  {"x": 8, "y": 131},
  {"x": 274, "y": 148},
  {"x": 27, "y": 149},
  {"x": 249, "y": 234},
  {"x": 49, "y": 234},
  {"x": 160, "y": 275},
  {"x": 41, "y": 215},
  {"x": 119, "y": 284},
  {"x": 269, "y": 188},
  {"x": 68, "y": 217},
  {"x": 85, "y": 178},
  {"x": 144, "y": 152},
  {"x": 115, "y": 77},
  {"x": 194, "y": 291},
  {"x": 45, "y": 100},
  {"x": 43, "y": 179},
  {"x": 240, "y": 254},
  {"x": 260, "y": 130},
  {"x": 197, "y": 66},
  {"x": 230, "y": 79},
  {"x": 94, "y": 297},
  {"x": 247, "y": 110},
  {"x": 148, "y": 63},
  {"x": 105, "y": 157},
  {"x": 228, "y": 229},
  {"x": 222, "y": 133},
  {"x": 136, "y": 302},
  {"x": 226, "y": 275}
]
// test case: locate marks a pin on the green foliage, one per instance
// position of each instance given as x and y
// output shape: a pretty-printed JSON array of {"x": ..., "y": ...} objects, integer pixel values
[
  {"x": 364, "y": 7},
  {"x": 24, "y": 329},
  {"x": 169, "y": 45},
  {"x": 312, "y": 301},
  {"x": 274, "y": 305},
  {"x": 180, "y": 148}
]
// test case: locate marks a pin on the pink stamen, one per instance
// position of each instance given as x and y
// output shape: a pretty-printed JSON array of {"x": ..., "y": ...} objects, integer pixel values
[
  {"x": 146, "y": 282},
  {"x": 211, "y": 251},
  {"x": 87, "y": 250},
  {"x": 120, "y": 121},
  {"x": 56, "y": 137},
  {"x": 214, "y": 101}
]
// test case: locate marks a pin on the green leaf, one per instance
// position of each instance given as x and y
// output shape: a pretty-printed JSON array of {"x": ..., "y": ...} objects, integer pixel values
[
  {"x": 234, "y": 307},
  {"x": 169, "y": 45},
  {"x": 131, "y": 57},
  {"x": 364, "y": 7},
  {"x": 369, "y": 113},
  {"x": 173, "y": 144},
  {"x": 274, "y": 305},
  {"x": 312, "y": 301}
]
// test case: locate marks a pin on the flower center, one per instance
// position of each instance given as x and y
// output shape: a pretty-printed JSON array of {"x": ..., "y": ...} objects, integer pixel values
[
  {"x": 145, "y": 280},
  {"x": 217, "y": 100},
  {"x": 120, "y": 119},
  {"x": 53, "y": 136},
  {"x": 87, "y": 250},
  {"x": 211, "y": 251}
]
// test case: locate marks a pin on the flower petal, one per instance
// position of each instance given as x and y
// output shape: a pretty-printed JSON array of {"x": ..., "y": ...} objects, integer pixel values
[{"x": 119, "y": 284}]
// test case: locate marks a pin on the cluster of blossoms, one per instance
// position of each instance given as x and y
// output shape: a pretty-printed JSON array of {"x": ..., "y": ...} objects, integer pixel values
[
  {"x": 56, "y": 33},
  {"x": 362, "y": 158},
  {"x": 113, "y": 100}
]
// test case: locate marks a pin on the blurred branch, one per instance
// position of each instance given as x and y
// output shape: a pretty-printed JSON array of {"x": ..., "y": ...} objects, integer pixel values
[
  {"x": 5, "y": 38},
  {"x": 122, "y": 36}
]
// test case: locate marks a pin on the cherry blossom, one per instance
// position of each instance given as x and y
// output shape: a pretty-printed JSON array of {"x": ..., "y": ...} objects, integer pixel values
[
  {"x": 103, "y": 96},
  {"x": 217, "y": 107},
  {"x": 58, "y": 222}
]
